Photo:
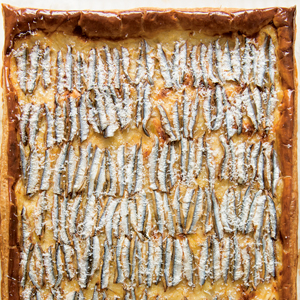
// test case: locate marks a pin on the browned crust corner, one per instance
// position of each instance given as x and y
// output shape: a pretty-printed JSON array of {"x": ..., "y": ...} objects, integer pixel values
[{"x": 145, "y": 23}]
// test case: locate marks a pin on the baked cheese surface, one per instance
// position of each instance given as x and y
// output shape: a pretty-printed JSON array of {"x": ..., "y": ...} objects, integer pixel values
[{"x": 149, "y": 167}]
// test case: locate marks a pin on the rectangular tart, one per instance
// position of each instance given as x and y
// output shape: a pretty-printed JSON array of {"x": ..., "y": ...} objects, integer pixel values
[{"x": 149, "y": 154}]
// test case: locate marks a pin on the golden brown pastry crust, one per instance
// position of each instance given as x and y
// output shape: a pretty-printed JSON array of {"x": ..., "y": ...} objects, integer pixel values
[{"x": 119, "y": 25}]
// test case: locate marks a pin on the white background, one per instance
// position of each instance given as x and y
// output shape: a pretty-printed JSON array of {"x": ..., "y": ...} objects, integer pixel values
[{"x": 129, "y": 4}]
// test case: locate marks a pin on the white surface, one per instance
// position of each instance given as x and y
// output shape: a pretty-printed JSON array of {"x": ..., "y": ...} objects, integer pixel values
[{"x": 129, "y": 4}]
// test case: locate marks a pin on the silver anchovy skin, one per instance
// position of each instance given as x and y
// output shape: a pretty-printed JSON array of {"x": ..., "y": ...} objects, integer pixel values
[
  {"x": 246, "y": 265},
  {"x": 73, "y": 118},
  {"x": 164, "y": 67},
  {"x": 236, "y": 61},
  {"x": 101, "y": 180},
  {"x": 225, "y": 261},
  {"x": 172, "y": 171},
  {"x": 130, "y": 170},
  {"x": 60, "y": 85},
  {"x": 258, "y": 104},
  {"x": 175, "y": 66},
  {"x": 33, "y": 124},
  {"x": 59, "y": 123},
  {"x": 94, "y": 171},
  {"x": 166, "y": 123},
  {"x": 168, "y": 215},
  {"x": 100, "y": 106},
  {"x": 24, "y": 121},
  {"x": 233, "y": 162},
  {"x": 245, "y": 209},
  {"x": 142, "y": 207},
  {"x": 159, "y": 212},
  {"x": 110, "y": 113},
  {"x": 218, "y": 223},
  {"x": 147, "y": 108},
  {"x": 102, "y": 216},
  {"x": 59, "y": 168},
  {"x": 199, "y": 156},
  {"x": 260, "y": 169},
  {"x": 121, "y": 169},
  {"x": 182, "y": 62},
  {"x": 78, "y": 67},
  {"x": 183, "y": 158},
  {"x": 249, "y": 224},
  {"x": 33, "y": 173},
  {"x": 208, "y": 218},
  {"x": 220, "y": 60},
  {"x": 101, "y": 73},
  {"x": 153, "y": 158},
  {"x": 186, "y": 108},
  {"x": 50, "y": 124},
  {"x": 150, "y": 263},
  {"x": 194, "y": 114},
  {"x": 73, "y": 212},
  {"x": 23, "y": 161},
  {"x": 36, "y": 267},
  {"x": 72, "y": 163},
  {"x": 110, "y": 67},
  {"x": 49, "y": 266},
  {"x": 247, "y": 61},
  {"x": 196, "y": 70},
  {"x": 89, "y": 217},
  {"x": 150, "y": 64},
  {"x": 162, "y": 168},
  {"x": 249, "y": 108},
  {"x": 203, "y": 56},
  {"x": 34, "y": 57},
  {"x": 186, "y": 203},
  {"x": 257, "y": 265},
  {"x": 68, "y": 258},
  {"x": 176, "y": 206},
  {"x": 69, "y": 69},
  {"x": 113, "y": 175},
  {"x": 21, "y": 59},
  {"x": 45, "y": 181},
  {"x": 188, "y": 268},
  {"x": 210, "y": 59},
  {"x": 84, "y": 264},
  {"x": 272, "y": 61},
  {"x": 191, "y": 163},
  {"x": 81, "y": 170},
  {"x": 64, "y": 238},
  {"x": 240, "y": 163},
  {"x": 271, "y": 105},
  {"x": 125, "y": 253},
  {"x": 82, "y": 111},
  {"x": 198, "y": 210},
  {"x": 92, "y": 69},
  {"x": 46, "y": 66},
  {"x": 125, "y": 63},
  {"x": 120, "y": 276},
  {"x": 177, "y": 263},
  {"x": 139, "y": 105},
  {"x": 139, "y": 170},
  {"x": 276, "y": 172},
  {"x": 116, "y": 64},
  {"x": 141, "y": 68},
  {"x": 203, "y": 268},
  {"x": 24, "y": 261},
  {"x": 210, "y": 166},
  {"x": 237, "y": 266},
  {"x": 216, "y": 259},
  {"x": 207, "y": 109},
  {"x": 158, "y": 259},
  {"x": 226, "y": 158},
  {"x": 109, "y": 217},
  {"x": 219, "y": 105},
  {"x": 261, "y": 64},
  {"x": 168, "y": 260},
  {"x": 40, "y": 213},
  {"x": 55, "y": 217},
  {"x": 176, "y": 124}
]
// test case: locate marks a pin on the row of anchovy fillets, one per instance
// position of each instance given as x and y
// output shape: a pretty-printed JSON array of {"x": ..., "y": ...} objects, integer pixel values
[
  {"x": 132, "y": 219},
  {"x": 208, "y": 64}
]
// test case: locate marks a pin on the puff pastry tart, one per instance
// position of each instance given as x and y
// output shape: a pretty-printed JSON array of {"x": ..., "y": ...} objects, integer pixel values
[{"x": 149, "y": 154}]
